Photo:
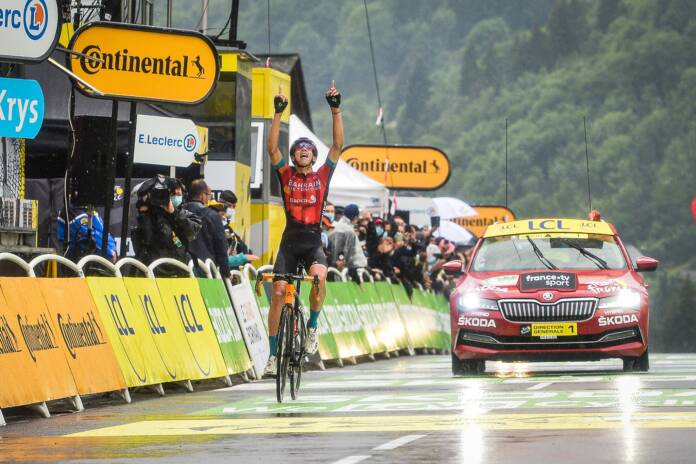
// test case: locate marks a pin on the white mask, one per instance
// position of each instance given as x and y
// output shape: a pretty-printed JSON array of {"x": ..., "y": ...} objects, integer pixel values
[{"x": 229, "y": 214}]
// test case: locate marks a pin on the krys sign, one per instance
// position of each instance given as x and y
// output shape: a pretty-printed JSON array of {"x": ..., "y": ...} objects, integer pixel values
[
  {"x": 21, "y": 108},
  {"x": 410, "y": 168},
  {"x": 166, "y": 141},
  {"x": 29, "y": 29},
  {"x": 130, "y": 62}
]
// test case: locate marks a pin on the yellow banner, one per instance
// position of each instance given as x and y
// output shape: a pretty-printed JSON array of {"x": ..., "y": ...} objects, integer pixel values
[
  {"x": 550, "y": 226},
  {"x": 410, "y": 168},
  {"x": 486, "y": 216},
  {"x": 167, "y": 333},
  {"x": 184, "y": 304},
  {"x": 32, "y": 364},
  {"x": 128, "y": 331},
  {"x": 144, "y": 63},
  {"x": 87, "y": 348}
]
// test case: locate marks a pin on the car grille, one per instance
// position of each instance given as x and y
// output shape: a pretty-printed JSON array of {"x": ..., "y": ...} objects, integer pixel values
[{"x": 528, "y": 310}]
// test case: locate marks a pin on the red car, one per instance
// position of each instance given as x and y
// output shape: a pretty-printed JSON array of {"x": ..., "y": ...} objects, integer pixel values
[{"x": 549, "y": 290}]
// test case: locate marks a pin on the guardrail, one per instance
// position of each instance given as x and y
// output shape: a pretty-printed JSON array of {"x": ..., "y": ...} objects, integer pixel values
[{"x": 95, "y": 334}]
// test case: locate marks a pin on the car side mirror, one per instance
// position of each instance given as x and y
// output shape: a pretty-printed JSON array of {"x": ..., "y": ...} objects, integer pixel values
[
  {"x": 645, "y": 264},
  {"x": 453, "y": 268}
]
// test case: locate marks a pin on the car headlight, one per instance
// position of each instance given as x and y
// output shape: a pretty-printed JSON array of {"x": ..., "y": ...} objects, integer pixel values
[
  {"x": 625, "y": 299},
  {"x": 473, "y": 302}
]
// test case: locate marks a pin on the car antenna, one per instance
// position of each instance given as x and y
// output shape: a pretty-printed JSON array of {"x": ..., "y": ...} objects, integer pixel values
[
  {"x": 506, "y": 163},
  {"x": 587, "y": 159}
]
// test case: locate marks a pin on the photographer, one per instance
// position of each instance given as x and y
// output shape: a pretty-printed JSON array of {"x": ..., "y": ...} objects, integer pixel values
[{"x": 163, "y": 231}]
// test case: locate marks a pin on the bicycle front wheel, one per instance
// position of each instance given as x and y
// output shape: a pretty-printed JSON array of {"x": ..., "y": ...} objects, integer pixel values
[
  {"x": 298, "y": 354},
  {"x": 283, "y": 355}
]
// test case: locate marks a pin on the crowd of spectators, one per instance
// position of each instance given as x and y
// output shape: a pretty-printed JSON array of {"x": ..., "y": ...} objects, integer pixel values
[
  {"x": 193, "y": 225},
  {"x": 389, "y": 248}
]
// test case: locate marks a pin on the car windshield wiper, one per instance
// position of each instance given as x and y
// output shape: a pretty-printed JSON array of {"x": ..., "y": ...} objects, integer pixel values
[
  {"x": 599, "y": 262},
  {"x": 544, "y": 260}
]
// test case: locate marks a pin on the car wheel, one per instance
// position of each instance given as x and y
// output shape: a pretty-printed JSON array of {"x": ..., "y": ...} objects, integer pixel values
[
  {"x": 639, "y": 364},
  {"x": 642, "y": 363},
  {"x": 467, "y": 366}
]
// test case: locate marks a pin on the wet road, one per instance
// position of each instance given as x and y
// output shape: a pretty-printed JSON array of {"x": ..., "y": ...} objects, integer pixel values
[{"x": 406, "y": 409}]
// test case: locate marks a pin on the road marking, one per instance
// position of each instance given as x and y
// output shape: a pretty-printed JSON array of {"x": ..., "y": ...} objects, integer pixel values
[
  {"x": 396, "y": 443},
  {"x": 540, "y": 385},
  {"x": 351, "y": 459},
  {"x": 395, "y": 423}
]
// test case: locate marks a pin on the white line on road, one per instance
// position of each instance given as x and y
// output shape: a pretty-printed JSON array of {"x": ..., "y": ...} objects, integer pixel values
[
  {"x": 396, "y": 443},
  {"x": 539, "y": 386},
  {"x": 351, "y": 459}
]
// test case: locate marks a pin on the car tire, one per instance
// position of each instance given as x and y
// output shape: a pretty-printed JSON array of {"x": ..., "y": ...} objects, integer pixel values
[
  {"x": 467, "y": 366},
  {"x": 639, "y": 364}
]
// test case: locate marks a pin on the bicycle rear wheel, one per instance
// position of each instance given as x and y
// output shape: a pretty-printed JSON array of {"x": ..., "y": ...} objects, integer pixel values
[
  {"x": 283, "y": 355},
  {"x": 298, "y": 354}
]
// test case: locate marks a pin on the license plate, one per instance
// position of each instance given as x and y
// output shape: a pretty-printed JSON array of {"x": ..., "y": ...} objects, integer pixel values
[{"x": 558, "y": 329}]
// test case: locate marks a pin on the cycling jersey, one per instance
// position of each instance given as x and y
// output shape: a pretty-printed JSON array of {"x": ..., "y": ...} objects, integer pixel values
[{"x": 304, "y": 194}]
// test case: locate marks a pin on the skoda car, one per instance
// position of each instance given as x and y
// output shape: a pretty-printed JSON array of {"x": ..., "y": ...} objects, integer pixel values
[{"x": 549, "y": 289}]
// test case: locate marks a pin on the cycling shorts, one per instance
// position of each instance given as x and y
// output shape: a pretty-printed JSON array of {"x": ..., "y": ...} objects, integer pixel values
[{"x": 299, "y": 247}]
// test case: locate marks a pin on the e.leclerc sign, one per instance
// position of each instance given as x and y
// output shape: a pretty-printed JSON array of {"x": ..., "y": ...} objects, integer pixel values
[
  {"x": 132, "y": 62},
  {"x": 399, "y": 167},
  {"x": 29, "y": 29},
  {"x": 21, "y": 108},
  {"x": 165, "y": 141}
]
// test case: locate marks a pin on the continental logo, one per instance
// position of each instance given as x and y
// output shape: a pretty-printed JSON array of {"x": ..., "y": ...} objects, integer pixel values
[
  {"x": 400, "y": 167},
  {"x": 378, "y": 165},
  {"x": 38, "y": 336},
  {"x": 8, "y": 339},
  {"x": 133, "y": 62},
  {"x": 83, "y": 334},
  {"x": 95, "y": 60}
]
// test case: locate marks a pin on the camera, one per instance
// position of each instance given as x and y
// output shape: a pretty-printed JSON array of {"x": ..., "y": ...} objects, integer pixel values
[{"x": 159, "y": 196}]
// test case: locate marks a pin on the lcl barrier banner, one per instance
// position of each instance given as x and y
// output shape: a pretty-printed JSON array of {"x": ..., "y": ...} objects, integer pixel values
[
  {"x": 385, "y": 332},
  {"x": 83, "y": 336},
  {"x": 129, "y": 333},
  {"x": 396, "y": 328},
  {"x": 441, "y": 305},
  {"x": 30, "y": 351},
  {"x": 352, "y": 323},
  {"x": 338, "y": 328},
  {"x": 253, "y": 329},
  {"x": 229, "y": 335},
  {"x": 184, "y": 304},
  {"x": 368, "y": 316},
  {"x": 264, "y": 303},
  {"x": 168, "y": 335},
  {"x": 328, "y": 347},
  {"x": 430, "y": 319}
]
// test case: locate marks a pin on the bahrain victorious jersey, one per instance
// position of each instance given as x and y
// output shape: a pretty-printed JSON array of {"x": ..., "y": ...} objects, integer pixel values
[{"x": 304, "y": 195}]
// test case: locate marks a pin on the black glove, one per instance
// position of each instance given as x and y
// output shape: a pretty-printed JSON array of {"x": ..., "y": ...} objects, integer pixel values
[
  {"x": 334, "y": 100},
  {"x": 279, "y": 104}
]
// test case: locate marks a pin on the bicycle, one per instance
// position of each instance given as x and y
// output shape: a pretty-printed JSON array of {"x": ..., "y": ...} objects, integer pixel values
[{"x": 292, "y": 331}]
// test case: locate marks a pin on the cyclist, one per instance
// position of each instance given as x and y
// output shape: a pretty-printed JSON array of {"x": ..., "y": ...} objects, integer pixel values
[{"x": 304, "y": 195}]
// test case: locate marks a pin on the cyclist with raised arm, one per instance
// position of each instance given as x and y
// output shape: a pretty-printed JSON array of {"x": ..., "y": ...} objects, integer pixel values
[{"x": 304, "y": 195}]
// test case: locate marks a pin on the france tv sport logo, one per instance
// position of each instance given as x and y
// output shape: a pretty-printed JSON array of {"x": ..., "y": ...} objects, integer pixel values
[
  {"x": 190, "y": 142},
  {"x": 35, "y": 18}
]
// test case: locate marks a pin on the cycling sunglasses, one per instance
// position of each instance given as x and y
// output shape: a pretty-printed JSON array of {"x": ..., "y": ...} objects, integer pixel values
[{"x": 303, "y": 145}]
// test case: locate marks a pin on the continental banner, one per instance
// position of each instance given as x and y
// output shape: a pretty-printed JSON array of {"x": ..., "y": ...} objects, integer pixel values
[
  {"x": 128, "y": 332},
  {"x": 183, "y": 303},
  {"x": 229, "y": 335},
  {"x": 249, "y": 318},
  {"x": 368, "y": 316},
  {"x": 83, "y": 336},
  {"x": 168, "y": 335},
  {"x": 328, "y": 347},
  {"x": 32, "y": 363}
]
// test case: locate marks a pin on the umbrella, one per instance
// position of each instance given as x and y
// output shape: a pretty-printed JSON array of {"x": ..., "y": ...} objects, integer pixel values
[
  {"x": 449, "y": 208},
  {"x": 453, "y": 232}
]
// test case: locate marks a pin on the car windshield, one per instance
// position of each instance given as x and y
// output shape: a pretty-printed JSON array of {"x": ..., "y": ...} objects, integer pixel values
[{"x": 548, "y": 251}]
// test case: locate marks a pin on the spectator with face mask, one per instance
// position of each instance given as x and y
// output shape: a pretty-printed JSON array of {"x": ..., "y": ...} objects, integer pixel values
[{"x": 344, "y": 240}]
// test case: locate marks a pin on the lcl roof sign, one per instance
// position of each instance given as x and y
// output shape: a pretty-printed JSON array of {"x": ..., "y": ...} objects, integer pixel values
[{"x": 29, "y": 29}]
